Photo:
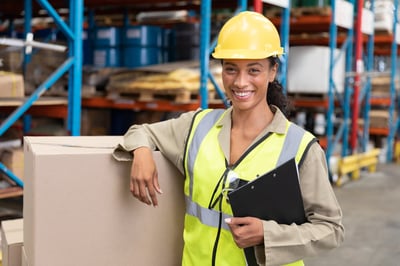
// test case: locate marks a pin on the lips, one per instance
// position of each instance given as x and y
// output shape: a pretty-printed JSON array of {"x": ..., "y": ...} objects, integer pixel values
[{"x": 243, "y": 94}]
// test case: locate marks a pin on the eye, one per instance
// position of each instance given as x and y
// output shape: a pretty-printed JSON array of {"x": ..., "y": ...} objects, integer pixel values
[
  {"x": 230, "y": 70},
  {"x": 254, "y": 71}
]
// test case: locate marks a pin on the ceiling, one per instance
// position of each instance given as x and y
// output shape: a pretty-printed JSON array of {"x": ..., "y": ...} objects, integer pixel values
[{"x": 14, "y": 8}]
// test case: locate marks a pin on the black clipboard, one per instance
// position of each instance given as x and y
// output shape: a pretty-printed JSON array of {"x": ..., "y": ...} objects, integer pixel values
[{"x": 275, "y": 195}]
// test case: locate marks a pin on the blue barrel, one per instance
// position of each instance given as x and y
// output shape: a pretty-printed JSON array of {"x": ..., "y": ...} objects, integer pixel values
[
  {"x": 107, "y": 47},
  {"x": 168, "y": 45},
  {"x": 186, "y": 41},
  {"x": 87, "y": 47},
  {"x": 142, "y": 46}
]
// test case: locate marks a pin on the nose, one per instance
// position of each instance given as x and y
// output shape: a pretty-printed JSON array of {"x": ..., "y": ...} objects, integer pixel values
[{"x": 241, "y": 80}]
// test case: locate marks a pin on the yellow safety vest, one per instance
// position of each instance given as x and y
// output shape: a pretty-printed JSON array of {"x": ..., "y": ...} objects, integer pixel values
[{"x": 204, "y": 165}]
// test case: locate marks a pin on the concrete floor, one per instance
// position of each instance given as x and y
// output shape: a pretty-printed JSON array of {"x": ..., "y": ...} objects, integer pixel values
[{"x": 371, "y": 216}]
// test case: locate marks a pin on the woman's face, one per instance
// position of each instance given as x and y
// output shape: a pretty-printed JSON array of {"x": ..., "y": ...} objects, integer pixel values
[{"x": 246, "y": 81}]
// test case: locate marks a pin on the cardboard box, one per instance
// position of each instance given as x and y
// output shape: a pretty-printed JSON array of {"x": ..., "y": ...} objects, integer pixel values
[
  {"x": 78, "y": 209},
  {"x": 12, "y": 85},
  {"x": 24, "y": 258},
  {"x": 13, "y": 159},
  {"x": 308, "y": 70},
  {"x": 12, "y": 242},
  {"x": 12, "y": 225}
]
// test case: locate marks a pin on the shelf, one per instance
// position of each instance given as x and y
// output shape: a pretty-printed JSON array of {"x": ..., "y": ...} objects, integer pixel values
[
  {"x": 379, "y": 131},
  {"x": 11, "y": 192},
  {"x": 383, "y": 44},
  {"x": 310, "y": 103},
  {"x": 158, "y": 105},
  {"x": 309, "y": 24},
  {"x": 53, "y": 107},
  {"x": 381, "y": 101}
]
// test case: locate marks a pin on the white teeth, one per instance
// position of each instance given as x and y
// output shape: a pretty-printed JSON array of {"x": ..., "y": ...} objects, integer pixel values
[{"x": 242, "y": 93}]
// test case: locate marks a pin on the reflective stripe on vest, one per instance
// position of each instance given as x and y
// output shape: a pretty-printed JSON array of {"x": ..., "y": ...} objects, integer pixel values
[
  {"x": 291, "y": 145},
  {"x": 211, "y": 217},
  {"x": 205, "y": 215},
  {"x": 207, "y": 123}
]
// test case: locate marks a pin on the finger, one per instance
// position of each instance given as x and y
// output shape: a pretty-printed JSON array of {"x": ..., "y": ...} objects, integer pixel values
[
  {"x": 135, "y": 189},
  {"x": 132, "y": 186},
  {"x": 156, "y": 184},
  {"x": 153, "y": 195},
  {"x": 237, "y": 221},
  {"x": 143, "y": 196}
]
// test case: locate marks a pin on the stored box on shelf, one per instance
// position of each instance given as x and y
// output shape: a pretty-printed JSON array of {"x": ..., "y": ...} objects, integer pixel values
[
  {"x": 308, "y": 69},
  {"x": 13, "y": 159},
  {"x": 11, "y": 84},
  {"x": 380, "y": 118}
]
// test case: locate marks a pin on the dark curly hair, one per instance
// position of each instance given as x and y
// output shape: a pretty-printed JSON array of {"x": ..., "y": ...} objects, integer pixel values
[{"x": 275, "y": 93}]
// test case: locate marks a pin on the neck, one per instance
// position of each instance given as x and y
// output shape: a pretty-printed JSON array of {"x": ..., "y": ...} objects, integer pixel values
[{"x": 252, "y": 121}]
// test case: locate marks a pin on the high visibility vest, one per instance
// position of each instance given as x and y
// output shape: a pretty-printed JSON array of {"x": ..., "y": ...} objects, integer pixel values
[{"x": 205, "y": 164}]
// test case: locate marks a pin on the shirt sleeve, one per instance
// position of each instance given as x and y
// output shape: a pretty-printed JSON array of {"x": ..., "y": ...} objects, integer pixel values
[
  {"x": 324, "y": 230},
  {"x": 169, "y": 137}
]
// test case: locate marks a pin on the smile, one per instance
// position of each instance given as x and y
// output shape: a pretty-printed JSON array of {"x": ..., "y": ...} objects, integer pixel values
[{"x": 242, "y": 94}]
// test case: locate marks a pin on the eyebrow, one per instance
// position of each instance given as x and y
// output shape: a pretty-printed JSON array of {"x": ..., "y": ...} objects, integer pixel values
[{"x": 248, "y": 65}]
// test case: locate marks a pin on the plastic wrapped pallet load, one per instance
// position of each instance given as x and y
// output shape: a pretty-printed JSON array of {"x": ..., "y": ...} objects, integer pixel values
[{"x": 308, "y": 69}]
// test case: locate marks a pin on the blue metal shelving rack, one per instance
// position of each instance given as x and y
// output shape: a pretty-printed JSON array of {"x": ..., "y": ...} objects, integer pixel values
[
  {"x": 365, "y": 95},
  {"x": 206, "y": 48},
  {"x": 344, "y": 101},
  {"x": 393, "y": 125},
  {"x": 73, "y": 64}
]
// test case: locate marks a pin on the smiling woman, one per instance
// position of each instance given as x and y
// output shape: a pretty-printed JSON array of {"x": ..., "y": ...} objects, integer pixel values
[{"x": 251, "y": 137}]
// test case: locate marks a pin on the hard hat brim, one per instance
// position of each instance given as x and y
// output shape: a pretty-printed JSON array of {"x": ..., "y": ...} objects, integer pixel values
[{"x": 244, "y": 54}]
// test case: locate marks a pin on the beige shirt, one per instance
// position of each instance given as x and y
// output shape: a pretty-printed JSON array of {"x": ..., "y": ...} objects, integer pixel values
[{"x": 282, "y": 243}]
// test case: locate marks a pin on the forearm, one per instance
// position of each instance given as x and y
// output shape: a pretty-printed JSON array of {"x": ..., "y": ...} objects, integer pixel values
[{"x": 167, "y": 136}]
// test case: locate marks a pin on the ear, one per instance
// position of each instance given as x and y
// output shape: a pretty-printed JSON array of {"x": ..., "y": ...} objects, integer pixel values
[{"x": 272, "y": 73}]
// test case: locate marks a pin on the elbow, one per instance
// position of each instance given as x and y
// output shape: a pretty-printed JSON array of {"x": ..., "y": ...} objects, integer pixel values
[{"x": 340, "y": 235}]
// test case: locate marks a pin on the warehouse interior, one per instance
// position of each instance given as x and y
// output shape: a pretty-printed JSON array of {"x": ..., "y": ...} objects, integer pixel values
[{"x": 90, "y": 69}]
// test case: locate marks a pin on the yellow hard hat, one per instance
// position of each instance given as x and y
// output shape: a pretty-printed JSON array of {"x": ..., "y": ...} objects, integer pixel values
[{"x": 248, "y": 35}]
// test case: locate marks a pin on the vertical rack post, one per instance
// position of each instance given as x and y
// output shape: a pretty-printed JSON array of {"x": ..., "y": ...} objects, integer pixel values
[
  {"x": 393, "y": 67},
  {"x": 205, "y": 29},
  {"x": 75, "y": 72},
  {"x": 347, "y": 91},
  {"x": 343, "y": 131},
  {"x": 331, "y": 94},
  {"x": 357, "y": 79},
  {"x": 285, "y": 29},
  {"x": 367, "y": 95}
]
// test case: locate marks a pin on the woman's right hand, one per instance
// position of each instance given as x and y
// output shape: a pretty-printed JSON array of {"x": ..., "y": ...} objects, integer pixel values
[{"x": 144, "y": 178}]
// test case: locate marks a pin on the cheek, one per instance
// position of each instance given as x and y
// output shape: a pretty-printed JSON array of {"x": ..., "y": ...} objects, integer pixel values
[{"x": 226, "y": 80}]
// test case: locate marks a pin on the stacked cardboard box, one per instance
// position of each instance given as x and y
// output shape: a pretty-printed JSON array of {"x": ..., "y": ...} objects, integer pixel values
[{"x": 12, "y": 242}]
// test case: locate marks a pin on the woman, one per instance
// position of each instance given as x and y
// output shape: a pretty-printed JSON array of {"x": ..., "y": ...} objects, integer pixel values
[{"x": 249, "y": 138}]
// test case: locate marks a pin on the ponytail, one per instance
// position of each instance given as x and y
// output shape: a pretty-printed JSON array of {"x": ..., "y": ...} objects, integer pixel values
[{"x": 275, "y": 93}]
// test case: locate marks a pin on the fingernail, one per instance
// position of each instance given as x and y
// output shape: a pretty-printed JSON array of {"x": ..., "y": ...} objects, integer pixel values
[{"x": 228, "y": 220}]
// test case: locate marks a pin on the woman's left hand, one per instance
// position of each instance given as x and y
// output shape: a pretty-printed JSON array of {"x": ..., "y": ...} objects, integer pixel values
[{"x": 246, "y": 231}]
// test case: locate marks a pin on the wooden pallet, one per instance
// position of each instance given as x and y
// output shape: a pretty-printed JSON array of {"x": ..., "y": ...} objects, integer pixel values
[
  {"x": 308, "y": 96},
  {"x": 299, "y": 11},
  {"x": 311, "y": 11},
  {"x": 177, "y": 96},
  {"x": 11, "y": 192}
]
